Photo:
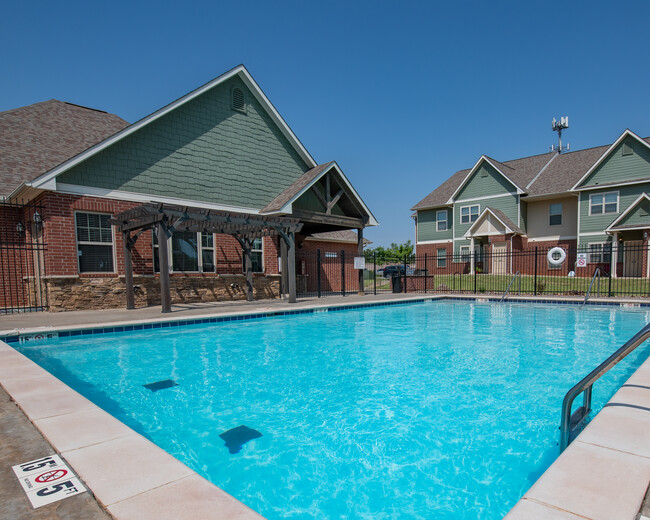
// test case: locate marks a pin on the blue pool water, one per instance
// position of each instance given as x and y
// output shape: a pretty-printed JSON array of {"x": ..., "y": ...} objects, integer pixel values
[{"x": 446, "y": 410}]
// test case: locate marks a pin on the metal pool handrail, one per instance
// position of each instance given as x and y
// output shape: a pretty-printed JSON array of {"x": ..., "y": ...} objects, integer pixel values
[
  {"x": 593, "y": 279},
  {"x": 570, "y": 422},
  {"x": 508, "y": 288}
]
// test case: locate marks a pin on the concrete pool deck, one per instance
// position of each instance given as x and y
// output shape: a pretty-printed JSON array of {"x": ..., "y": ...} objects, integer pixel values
[{"x": 604, "y": 474}]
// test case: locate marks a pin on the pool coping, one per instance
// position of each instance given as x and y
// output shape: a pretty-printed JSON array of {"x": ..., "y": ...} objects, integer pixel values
[{"x": 106, "y": 453}]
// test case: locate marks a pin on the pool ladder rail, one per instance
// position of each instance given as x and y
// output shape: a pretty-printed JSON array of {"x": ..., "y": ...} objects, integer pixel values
[
  {"x": 505, "y": 293},
  {"x": 593, "y": 279},
  {"x": 571, "y": 424}
]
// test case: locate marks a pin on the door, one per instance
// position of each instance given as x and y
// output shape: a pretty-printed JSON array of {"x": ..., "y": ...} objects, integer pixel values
[
  {"x": 499, "y": 258},
  {"x": 633, "y": 258}
]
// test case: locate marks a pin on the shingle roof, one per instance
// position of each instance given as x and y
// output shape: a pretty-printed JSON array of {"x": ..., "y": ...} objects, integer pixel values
[
  {"x": 36, "y": 138},
  {"x": 544, "y": 174},
  {"x": 344, "y": 235},
  {"x": 291, "y": 191}
]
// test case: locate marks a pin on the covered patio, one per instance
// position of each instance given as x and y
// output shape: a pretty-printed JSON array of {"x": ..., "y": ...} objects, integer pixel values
[{"x": 165, "y": 219}]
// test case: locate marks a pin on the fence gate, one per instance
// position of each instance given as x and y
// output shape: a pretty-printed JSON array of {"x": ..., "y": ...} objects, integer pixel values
[{"x": 22, "y": 258}]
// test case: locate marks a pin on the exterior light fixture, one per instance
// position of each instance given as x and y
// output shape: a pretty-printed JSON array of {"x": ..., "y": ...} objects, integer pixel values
[
  {"x": 20, "y": 229},
  {"x": 37, "y": 218}
]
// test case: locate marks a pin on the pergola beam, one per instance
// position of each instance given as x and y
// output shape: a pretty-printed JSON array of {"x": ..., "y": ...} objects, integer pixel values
[{"x": 244, "y": 227}]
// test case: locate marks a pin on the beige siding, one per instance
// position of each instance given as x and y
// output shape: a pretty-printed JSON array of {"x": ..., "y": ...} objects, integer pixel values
[{"x": 537, "y": 220}]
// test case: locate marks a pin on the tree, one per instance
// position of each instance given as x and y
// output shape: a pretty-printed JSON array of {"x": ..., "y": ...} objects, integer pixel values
[{"x": 394, "y": 253}]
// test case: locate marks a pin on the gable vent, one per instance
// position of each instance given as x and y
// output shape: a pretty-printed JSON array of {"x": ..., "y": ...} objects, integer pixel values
[
  {"x": 237, "y": 99},
  {"x": 628, "y": 149}
]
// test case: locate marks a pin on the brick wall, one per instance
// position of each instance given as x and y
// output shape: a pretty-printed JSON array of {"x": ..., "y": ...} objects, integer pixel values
[{"x": 331, "y": 274}]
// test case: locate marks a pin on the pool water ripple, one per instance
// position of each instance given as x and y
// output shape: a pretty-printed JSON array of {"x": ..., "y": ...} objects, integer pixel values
[{"x": 445, "y": 410}]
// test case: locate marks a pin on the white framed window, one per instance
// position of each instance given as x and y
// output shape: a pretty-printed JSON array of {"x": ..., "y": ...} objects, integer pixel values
[
  {"x": 441, "y": 257},
  {"x": 464, "y": 254},
  {"x": 441, "y": 220},
  {"x": 600, "y": 253},
  {"x": 257, "y": 257},
  {"x": 190, "y": 252},
  {"x": 601, "y": 203},
  {"x": 95, "y": 251},
  {"x": 555, "y": 214},
  {"x": 469, "y": 214}
]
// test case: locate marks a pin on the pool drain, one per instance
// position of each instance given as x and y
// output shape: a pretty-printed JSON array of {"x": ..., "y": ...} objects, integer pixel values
[
  {"x": 161, "y": 385},
  {"x": 235, "y": 438}
]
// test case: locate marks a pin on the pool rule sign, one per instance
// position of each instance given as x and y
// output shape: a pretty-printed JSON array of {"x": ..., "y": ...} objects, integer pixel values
[{"x": 47, "y": 480}]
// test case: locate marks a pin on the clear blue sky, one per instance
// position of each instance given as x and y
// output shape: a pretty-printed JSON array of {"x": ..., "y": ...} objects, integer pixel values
[{"x": 402, "y": 94}]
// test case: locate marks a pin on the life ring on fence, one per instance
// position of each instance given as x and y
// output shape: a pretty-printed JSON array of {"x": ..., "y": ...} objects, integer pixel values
[{"x": 556, "y": 261}]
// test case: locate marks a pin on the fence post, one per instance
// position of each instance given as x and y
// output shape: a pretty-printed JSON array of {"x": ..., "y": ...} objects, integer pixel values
[
  {"x": 343, "y": 272},
  {"x": 426, "y": 273},
  {"x": 374, "y": 271},
  {"x": 535, "y": 281},
  {"x": 611, "y": 251},
  {"x": 475, "y": 270},
  {"x": 318, "y": 270},
  {"x": 405, "y": 257}
]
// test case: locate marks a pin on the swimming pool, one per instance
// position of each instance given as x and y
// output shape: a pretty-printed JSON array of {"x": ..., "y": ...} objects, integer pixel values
[{"x": 428, "y": 410}]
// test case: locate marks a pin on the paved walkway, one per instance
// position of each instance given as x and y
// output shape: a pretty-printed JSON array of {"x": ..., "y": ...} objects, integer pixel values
[
  {"x": 38, "y": 321},
  {"x": 20, "y": 442}
]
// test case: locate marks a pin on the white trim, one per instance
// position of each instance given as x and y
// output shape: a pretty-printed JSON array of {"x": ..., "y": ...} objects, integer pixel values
[
  {"x": 626, "y": 133},
  {"x": 288, "y": 207},
  {"x": 469, "y": 213},
  {"x": 542, "y": 170},
  {"x": 469, "y": 232},
  {"x": 138, "y": 197},
  {"x": 578, "y": 223},
  {"x": 461, "y": 238},
  {"x": 618, "y": 202},
  {"x": 518, "y": 217},
  {"x": 240, "y": 71},
  {"x": 553, "y": 238},
  {"x": 627, "y": 211},
  {"x": 446, "y": 220},
  {"x": 444, "y": 241},
  {"x": 471, "y": 173},
  {"x": 508, "y": 194},
  {"x": 593, "y": 234},
  {"x": 616, "y": 185},
  {"x": 89, "y": 243}
]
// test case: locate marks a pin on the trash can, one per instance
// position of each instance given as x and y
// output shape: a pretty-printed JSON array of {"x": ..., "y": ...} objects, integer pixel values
[{"x": 396, "y": 283}]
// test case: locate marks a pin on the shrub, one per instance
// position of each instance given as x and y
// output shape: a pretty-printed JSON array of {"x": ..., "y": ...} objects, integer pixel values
[{"x": 541, "y": 287}]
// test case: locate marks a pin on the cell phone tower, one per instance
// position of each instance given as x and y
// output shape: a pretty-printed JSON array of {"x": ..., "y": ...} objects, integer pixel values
[{"x": 558, "y": 126}]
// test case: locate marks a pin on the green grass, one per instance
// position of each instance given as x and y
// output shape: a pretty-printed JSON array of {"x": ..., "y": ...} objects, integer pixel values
[{"x": 490, "y": 283}]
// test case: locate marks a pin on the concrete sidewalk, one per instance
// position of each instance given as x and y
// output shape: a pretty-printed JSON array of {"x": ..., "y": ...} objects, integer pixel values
[{"x": 20, "y": 442}]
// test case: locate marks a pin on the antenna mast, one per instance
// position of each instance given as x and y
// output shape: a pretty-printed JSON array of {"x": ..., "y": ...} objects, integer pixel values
[{"x": 558, "y": 126}]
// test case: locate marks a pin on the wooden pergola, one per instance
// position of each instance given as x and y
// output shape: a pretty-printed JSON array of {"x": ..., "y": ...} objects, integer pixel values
[{"x": 164, "y": 219}]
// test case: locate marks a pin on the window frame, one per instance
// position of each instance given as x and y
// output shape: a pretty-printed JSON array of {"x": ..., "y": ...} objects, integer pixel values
[
  {"x": 170, "y": 254},
  {"x": 446, "y": 220},
  {"x": 90, "y": 243},
  {"x": 551, "y": 214},
  {"x": 443, "y": 257},
  {"x": 261, "y": 251},
  {"x": 601, "y": 253},
  {"x": 469, "y": 213},
  {"x": 462, "y": 255},
  {"x": 604, "y": 204}
]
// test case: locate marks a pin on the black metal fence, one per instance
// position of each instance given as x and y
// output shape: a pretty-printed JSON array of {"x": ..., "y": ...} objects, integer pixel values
[
  {"x": 22, "y": 258},
  {"x": 609, "y": 269}
]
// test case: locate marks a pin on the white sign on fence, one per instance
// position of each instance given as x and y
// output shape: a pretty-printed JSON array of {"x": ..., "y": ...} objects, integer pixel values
[
  {"x": 359, "y": 262},
  {"x": 581, "y": 260}
]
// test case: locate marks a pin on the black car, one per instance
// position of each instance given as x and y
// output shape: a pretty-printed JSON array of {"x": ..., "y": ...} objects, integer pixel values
[{"x": 393, "y": 270}]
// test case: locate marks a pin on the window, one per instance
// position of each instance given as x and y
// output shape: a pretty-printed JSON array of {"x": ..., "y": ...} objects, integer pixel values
[
  {"x": 94, "y": 243},
  {"x": 185, "y": 251},
  {"x": 600, "y": 253},
  {"x": 603, "y": 203},
  {"x": 555, "y": 212},
  {"x": 442, "y": 257},
  {"x": 237, "y": 99},
  {"x": 257, "y": 258},
  {"x": 464, "y": 254},
  {"x": 469, "y": 214},
  {"x": 441, "y": 220}
]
